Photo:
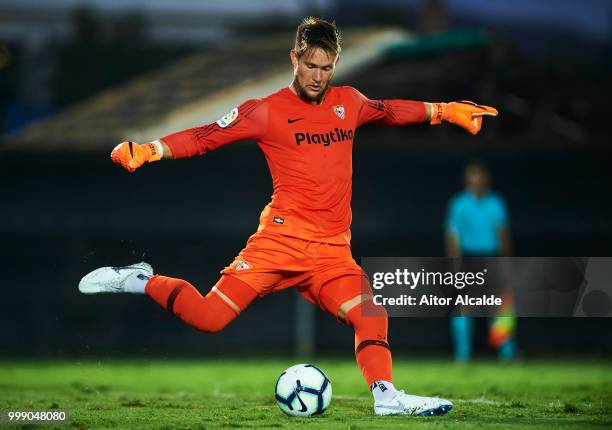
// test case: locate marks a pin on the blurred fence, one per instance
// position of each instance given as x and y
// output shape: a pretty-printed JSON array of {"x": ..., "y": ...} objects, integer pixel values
[{"x": 65, "y": 214}]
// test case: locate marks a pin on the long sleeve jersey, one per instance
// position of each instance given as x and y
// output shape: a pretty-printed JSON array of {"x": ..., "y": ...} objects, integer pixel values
[{"x": 309, "y": 153}]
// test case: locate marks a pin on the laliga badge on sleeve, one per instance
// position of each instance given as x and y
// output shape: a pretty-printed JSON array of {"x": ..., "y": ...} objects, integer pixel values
[{"x": 227, "y": 119}]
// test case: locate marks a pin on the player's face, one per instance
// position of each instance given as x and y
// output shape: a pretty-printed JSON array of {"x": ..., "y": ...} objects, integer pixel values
[{"x": 312, "y": 73}]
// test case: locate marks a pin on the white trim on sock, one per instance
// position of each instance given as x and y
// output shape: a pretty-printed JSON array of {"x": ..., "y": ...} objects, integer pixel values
[
  {"x": 383, "y": 391},
  {"x": 136, "y": 283}
]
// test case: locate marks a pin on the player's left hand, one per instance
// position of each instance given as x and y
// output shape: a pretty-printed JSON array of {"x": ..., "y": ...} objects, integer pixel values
[{"x": 465, "y": 114}]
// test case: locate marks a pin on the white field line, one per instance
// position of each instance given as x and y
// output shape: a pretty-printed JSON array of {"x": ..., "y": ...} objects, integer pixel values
[
  {"x": 475, "y": 401},
  {"x": 353, "y": 398},
  {"x": 217, "y": 393},
  {"x": 480, "y": 400}
]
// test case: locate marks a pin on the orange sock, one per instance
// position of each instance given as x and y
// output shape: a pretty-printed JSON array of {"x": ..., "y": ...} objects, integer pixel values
[
  {"x": 371, "y": 347},
  {"x": 211, "y": 313},
  {"x": 376, "y": 364}
]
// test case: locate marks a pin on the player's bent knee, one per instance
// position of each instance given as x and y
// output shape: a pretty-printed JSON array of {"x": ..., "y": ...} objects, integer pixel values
[
  {"x": 211, "y": 324},
  {"x": 211, "y": 314},
  {"x": 361, "y": 310},
  {"x": 370, "y": 323}
]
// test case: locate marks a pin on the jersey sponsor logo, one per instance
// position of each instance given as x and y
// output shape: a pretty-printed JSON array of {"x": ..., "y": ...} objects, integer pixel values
[
  {"x": 242, "y": 265},
  {"x": 339, "y": 110},
  {"x": 278, "y": 220},
  {"x": 228, "y": 118},
  {"x": 326, "y": 139}
]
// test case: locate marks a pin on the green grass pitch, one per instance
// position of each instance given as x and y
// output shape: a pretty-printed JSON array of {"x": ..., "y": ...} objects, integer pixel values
[{"x": 231, "y": 393}]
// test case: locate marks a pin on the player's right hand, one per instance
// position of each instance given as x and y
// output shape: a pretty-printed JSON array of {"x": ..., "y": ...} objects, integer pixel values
[{"x": 131, "y": 155}]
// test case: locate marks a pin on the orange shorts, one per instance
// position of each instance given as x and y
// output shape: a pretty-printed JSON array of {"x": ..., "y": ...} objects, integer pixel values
[{"x": 272, "y": 262}]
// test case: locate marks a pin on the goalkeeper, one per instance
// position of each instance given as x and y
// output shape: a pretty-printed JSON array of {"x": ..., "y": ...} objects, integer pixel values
[{"x": 306, "y": 131}]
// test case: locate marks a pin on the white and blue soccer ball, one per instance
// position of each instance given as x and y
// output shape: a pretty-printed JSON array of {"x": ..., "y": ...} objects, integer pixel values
[{"x": 303, "y": 390}]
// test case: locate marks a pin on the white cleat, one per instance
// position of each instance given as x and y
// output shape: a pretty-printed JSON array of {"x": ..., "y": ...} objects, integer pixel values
[
  {"x": 112, "y": 279},
  {"x": 406, "y": 404}
]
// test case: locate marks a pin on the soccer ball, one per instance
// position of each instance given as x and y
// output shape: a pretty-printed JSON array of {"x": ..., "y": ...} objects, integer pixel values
[{"x": 303, "y": 390}]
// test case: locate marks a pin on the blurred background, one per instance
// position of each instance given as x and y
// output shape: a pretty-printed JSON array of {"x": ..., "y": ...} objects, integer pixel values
[{"x": 79, "y": 76}]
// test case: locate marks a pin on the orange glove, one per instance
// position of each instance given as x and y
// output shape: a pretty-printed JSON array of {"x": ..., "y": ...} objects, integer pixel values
[
  {"x": 131, "y": 155},
  {"x": 465, "y": 114}
]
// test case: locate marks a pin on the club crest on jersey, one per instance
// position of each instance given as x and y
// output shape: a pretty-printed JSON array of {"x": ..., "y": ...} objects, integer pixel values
[
  {"x": 339, "y": 110},
  {"x": 227, "y": 119},
  {"x": 242, "y": 265}
]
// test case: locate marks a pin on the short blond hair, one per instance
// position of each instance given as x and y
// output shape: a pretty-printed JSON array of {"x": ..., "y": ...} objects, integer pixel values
[{"x": 315, "y": 32}]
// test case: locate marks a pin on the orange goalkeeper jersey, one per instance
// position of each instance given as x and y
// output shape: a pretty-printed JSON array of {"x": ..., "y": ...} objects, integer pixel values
[{"x": 309, "y": 152}]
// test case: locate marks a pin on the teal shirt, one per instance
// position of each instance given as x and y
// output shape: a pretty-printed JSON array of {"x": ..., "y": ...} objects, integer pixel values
[{"x": 475, "y": 221}]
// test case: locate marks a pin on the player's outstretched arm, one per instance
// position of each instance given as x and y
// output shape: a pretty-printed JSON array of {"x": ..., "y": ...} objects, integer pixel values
[
  {"x": 465, "y": 114},
  {"x": 132, "y": 155},
  {"x": 396, "y": 112},
  {"x": 248, "y": 121}
]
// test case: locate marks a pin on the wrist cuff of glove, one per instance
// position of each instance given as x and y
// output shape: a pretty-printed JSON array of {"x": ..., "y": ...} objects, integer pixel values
[
  {"x": 155, "y": 150},
  {"x": 438, "y": 113}
]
